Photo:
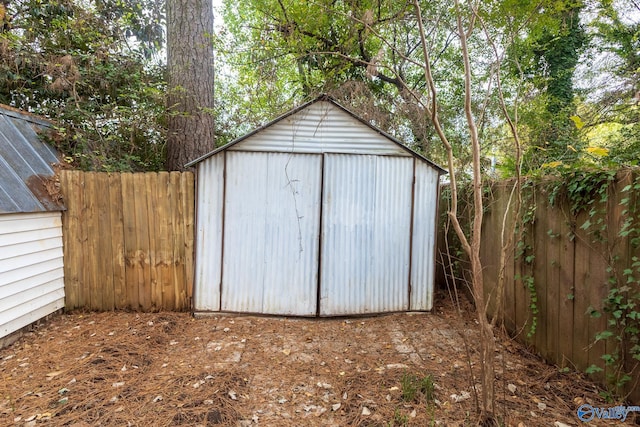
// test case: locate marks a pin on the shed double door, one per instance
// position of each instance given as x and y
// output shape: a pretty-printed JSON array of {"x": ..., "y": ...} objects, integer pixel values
[{"x": 316, "y": 234}]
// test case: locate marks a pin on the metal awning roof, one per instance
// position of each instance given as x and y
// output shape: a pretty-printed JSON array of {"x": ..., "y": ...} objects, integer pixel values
[{"x": 25, "y": 163}]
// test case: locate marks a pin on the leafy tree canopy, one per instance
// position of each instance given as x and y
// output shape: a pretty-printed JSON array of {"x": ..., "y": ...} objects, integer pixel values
[
  {"x": 568, "y": 72},
  {"x": 90, "y": 67},
  {"x": 272, "y": 54},
  {"x": 362, "y": 52}
]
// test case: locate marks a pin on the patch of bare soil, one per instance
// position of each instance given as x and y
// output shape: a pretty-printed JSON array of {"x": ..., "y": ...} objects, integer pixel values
[{"x": 169, "y": 369}]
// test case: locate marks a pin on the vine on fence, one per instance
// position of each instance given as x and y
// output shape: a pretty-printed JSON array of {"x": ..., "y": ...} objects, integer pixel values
[
  {"x": 588, "y": 195},
  {"x": 589, "y": 192},
  {"x": 622, "y": 303},
  {"x": 526, "y": 252}
]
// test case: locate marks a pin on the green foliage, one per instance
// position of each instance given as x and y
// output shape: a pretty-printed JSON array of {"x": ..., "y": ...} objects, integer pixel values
[
  {"x": 624, "y": 141},
  {"x": 525, "y": 251},
  {"x": 399, "y": 419},
  {"x": 588, "y": 194},
  {"x": 588, "y": 191},
  {"x": 583, "y": 189},
  {"x": 550, "y": 54},
  {"x": 89, "y": 67},
  {"x": 617, "y": 35},
  {"x": 415, "y": 388},
  {"x": 365, "y": 54},
  {"x": 622, "y": 303}
]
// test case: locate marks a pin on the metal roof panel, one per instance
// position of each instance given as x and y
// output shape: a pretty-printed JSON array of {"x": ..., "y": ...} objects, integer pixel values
[
  {"x": 25, "y": 163},
  {"x": 322, "y": 98}
]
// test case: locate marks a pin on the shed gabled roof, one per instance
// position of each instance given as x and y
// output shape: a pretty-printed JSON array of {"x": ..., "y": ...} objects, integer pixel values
[
  {"x": 25, "y": 163},
  {"x": 393, "y": 145}
]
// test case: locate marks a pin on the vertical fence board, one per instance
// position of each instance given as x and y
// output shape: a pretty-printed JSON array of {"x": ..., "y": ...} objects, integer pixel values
[
  {"x": 130, "y": 241},
  {"x": 494, "y": 246},
  {"x": 187, "y": 190},
  {"x": 566, "y": 291},
  {"x": 540, "y": 238},
  {"x": 92, "y": 223},
  {"x": 117, "y": 242},
  {"x": 598, "y": 288},
  {"x": 581, "y": 336},
  {"x": 487, "y": 246},
  {"x": 83, "y": 290},
  {"x": 67, "y": 234},
  {"x": 143, "y": 246},
  {"x": 178, "y": 238},
  {"x": 524, "y": 271},
  {"x": 154, "y": 290},
  {"x": 519, "y": 288},
  {"x": 508, "y": 206},
  {"x": 70, "y": 235},
  {"x": 104, "y": 250},
  {"x": 165, "y": 241},
  {"x": 553, "y": 316},
  {"x": 621, "y": 251}
]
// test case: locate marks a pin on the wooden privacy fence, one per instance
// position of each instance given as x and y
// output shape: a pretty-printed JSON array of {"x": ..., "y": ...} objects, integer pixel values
[
  {"x": 128, "y": 240},
  {"x": 559, "y": 273}
]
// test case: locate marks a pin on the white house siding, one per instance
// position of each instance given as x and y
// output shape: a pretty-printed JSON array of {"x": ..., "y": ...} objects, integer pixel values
[
  {"x": 366, "y": 229},
  {"x": 31, "y": 268},
  {"x": 271, "y": 229},
  {"x": 424, "y": 236}
]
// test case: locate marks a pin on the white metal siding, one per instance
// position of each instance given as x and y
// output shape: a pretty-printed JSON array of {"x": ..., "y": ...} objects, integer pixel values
[
  {"x": 316, "y": 213},
  {"x": 424, "y": 237},
  {"x": 321, "y": 128},
  {"x": 366, "y": 222},
  {"x": 210, "y": 202},
  {"x": 31, "y": 268},
  {"x": 271, "y": 229}
]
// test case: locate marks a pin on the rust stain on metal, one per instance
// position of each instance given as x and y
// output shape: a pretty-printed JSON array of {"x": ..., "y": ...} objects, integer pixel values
[{"x": 47, "y": 191}]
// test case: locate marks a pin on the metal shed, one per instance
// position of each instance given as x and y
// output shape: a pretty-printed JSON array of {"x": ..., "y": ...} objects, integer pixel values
[
  {"x": 31, "y": 264},
  {"x": 317, "y": 213}
]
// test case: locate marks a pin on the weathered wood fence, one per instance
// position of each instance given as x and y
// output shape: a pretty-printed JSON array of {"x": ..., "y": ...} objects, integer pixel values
[
  {"x": 128, "y": 240},
  {"x": 559, "y": 273}
]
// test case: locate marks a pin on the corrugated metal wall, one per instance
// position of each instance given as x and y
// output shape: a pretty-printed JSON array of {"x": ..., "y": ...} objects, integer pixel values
[
  {"x": 424, "y": 236},
  {"x": 209, "y": 209},
  {"x": 315, "y": 214},
  {"x": 272, "y": 200},
  {"x": 321, "y": 128},
  {"x": 366, "y": 229},
  {"x": 31, "y": 268}
]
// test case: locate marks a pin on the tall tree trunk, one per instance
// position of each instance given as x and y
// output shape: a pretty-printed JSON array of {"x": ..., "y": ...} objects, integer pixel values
[{"x": 190, "y": 81}]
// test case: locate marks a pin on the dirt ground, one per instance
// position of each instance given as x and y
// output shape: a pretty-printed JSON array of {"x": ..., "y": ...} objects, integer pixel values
[{"x": 170, "y": 369}]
